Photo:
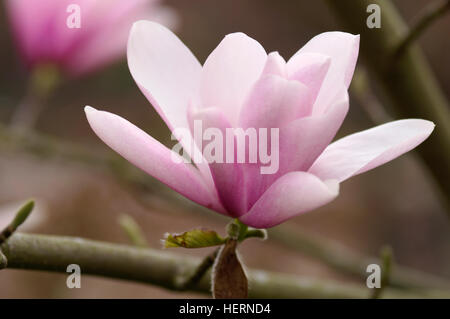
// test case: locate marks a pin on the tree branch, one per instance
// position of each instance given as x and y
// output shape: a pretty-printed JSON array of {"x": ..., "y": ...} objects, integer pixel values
[
  {"x": 407, "y": 79},
  {"x": 431, "y": 13},
  {"x": 345, "y": 260},
  {"x": 164, "y": 269}
]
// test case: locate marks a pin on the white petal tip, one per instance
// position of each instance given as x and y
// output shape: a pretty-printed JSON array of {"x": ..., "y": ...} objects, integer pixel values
[
  {"x": 423, "y": 125},
  {"x": 139, "y": 23},
  {"x": 333, "y": 186},
  {"x": 236, "y": 34},
  {"x": 89, "y": 109}
]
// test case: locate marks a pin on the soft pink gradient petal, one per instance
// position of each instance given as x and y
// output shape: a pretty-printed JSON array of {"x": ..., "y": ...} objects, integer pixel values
[
  {"x": 169, "y": 76},
  {"x": 228, "y": 177},
  {"x": 363, "y": 151},
  {"x": 290, "y": 195},
  {"x": 275, "y": 65},
  {"x": 165, "y": 69},
  {"x": 274, "y": 102},
  {"x": 343, "y": 49},
  {"x": 229, "y": 73},
  {"x": 310, "y": 69},
  {"x": 151, "y": 156},
  {"x": 301, "y": 142},
  {"x": 304, "y": 139}
]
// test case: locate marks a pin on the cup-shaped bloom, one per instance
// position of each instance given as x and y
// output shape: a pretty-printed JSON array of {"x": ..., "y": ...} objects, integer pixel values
[
  {"x": 78, "y": 36},
  {"x": 240, "y": 87}
]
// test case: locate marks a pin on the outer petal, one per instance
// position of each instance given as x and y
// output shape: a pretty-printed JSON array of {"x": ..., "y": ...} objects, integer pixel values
[
  {"x": 229, "y": 73},
  {"x": 169, "y": 76},
  {"x": 360, "y": 152},
  {"x": 343, "y": 49},
  {"x": 292, "y": 194},
  {"x": 151, "y": 156},
  {"x": 165, "y": 69}
]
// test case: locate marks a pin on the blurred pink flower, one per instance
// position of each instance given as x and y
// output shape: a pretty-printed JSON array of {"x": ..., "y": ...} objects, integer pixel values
[
  {"x": 241, "y": 86},
  {"x": 42, "y": 35}
]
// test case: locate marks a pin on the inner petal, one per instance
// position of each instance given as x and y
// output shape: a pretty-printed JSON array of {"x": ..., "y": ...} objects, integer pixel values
[
  {"x": 214, "y": 136},
  {"x": 229, "y": 72},
  {"x": 309, "y": 69}
]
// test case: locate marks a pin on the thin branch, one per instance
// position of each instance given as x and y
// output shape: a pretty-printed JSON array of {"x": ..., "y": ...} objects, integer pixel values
[
  {"x": 132, "y": 230},
  {"x": 386, "y": 257},
  {"x": 18, "y": 220},
  {"x": 3, "y": 261},
  {"x": 366, "y": 99},
  {"x": 328, "y": 251},
  {"x": 200, "y": 271},
  {"x": 345, "y": 260},
  {"x": 42, "y": 82},
  {"x": 431, "y": 13},
  {"x": 164, "y": 269}
]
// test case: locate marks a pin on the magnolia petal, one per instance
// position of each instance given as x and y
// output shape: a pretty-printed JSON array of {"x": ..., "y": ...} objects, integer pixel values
[
  {"x": 309, "y": 69},
  {"x": 300, "y": 143},
  {"x": 292, "y": 194},
  {"x": 363, "y": 151},
  {"x": 228, "y": 177},
  {"x": 343, "y": 49},
  {"x": 275, "y": 65},
  {"x": 165, "y": 69},
  {"x": 304, "y": 139},
  {"x": 275, "y": 101},
  {"x": 168, "y": 74},
  {"x": 151, "y": 156},
  {"x": 229, "y": 73}
]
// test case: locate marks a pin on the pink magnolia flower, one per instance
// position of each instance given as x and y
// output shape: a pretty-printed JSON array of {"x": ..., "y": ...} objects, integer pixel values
[
  {"x": 42, "y": 34},
  {"x": 240, "y": 85}
]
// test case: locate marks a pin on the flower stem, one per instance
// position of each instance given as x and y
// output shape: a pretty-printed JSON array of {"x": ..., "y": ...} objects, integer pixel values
[
  {"x": 42, "y": 82},
  {"x": 133, "y": 231},
  {"x": 386, "y": 257}
]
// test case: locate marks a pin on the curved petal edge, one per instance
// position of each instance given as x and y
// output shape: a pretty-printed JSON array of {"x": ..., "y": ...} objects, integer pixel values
[{"x": 365, "y": 150}]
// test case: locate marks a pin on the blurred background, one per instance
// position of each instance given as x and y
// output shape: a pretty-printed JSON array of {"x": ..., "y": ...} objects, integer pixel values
[{"x": 395, "y": 204}]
